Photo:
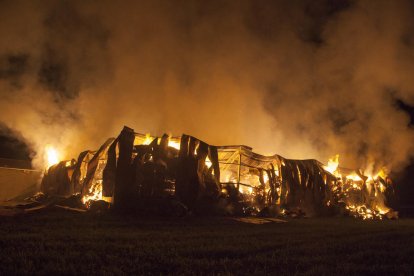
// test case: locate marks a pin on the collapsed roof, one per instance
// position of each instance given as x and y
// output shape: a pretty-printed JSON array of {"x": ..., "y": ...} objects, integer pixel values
[{"x": 133, "y": 168}]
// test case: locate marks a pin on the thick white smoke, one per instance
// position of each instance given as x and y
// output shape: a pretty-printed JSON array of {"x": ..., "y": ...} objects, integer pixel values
[{"x": 302, "y": 79}]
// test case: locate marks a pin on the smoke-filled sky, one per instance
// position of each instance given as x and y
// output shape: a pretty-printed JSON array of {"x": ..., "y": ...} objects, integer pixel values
[{"x": 304, "y": 79}]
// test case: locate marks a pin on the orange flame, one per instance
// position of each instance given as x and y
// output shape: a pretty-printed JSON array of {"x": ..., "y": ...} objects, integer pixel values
[{"x": 51, "y": 156}]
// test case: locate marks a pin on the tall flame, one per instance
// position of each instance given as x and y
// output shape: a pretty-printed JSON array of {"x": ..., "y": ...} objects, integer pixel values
[
  {"x": 51, "y": 156},
  {"x": 333, "y": 164}
]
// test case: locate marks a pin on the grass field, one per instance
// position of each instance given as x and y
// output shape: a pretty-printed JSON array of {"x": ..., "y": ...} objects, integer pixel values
[{"x": 65, "y": 243}]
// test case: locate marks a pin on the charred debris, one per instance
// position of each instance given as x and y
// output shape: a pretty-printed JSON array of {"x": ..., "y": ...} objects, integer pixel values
[{"x": 182, "y": 175}]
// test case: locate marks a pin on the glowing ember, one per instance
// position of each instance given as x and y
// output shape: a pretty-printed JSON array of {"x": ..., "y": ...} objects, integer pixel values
[
  {"x": 174, "y": 144},
  {"x": 52, "y": 156},
  {"x": 95, "y": 193},
  {"x": 353, "y": 177}
]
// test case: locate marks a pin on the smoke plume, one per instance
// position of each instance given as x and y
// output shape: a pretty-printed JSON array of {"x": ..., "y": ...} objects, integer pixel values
[{"x": 304, "y": 79}]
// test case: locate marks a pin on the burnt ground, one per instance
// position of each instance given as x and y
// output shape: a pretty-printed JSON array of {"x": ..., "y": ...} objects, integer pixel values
[{"x": 60, "y": 242}]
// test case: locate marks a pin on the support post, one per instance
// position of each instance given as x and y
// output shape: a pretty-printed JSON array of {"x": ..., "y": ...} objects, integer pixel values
[{"x": 238, "y": 171}]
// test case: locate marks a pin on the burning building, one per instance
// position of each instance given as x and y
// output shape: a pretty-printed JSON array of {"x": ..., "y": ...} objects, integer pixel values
[{"x": 136, "y": 170}]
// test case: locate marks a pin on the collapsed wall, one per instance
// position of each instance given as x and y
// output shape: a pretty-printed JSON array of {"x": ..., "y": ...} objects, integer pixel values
[{"x": 134, "y": 170}]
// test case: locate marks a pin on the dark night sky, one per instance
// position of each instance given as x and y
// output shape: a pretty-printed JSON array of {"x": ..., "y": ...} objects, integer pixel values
[
  {"x": 304, "y": 79},
  {"x": 12, "y": 147}
]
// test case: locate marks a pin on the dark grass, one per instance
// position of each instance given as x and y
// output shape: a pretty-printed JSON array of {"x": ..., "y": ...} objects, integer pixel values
[{"x": 64, "y": 243}]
